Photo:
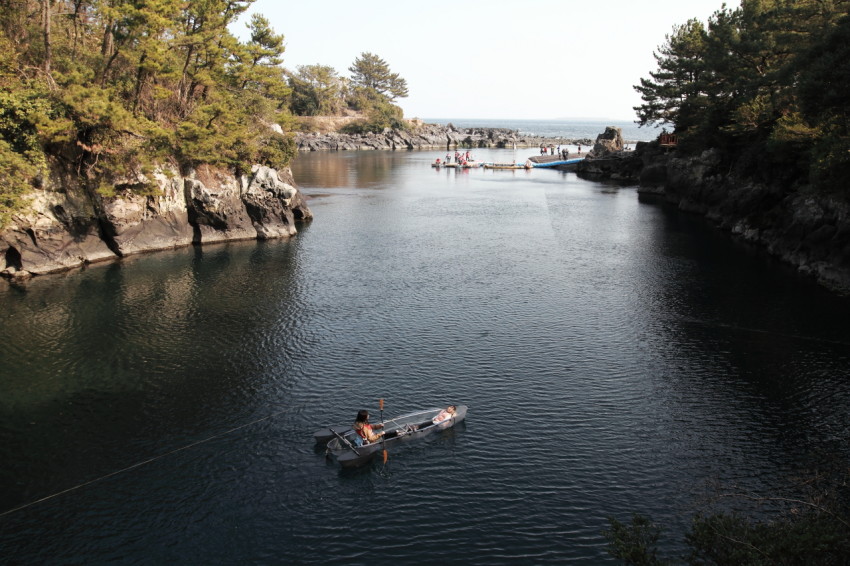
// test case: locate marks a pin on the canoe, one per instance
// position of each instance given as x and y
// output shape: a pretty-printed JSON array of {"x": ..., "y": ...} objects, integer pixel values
[
  {"x": 506, "y": 166},
  {"x": 342, "y": 440}
]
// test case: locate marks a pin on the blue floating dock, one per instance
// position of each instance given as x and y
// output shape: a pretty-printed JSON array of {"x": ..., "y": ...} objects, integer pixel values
[{"x": 555, "y": 163}]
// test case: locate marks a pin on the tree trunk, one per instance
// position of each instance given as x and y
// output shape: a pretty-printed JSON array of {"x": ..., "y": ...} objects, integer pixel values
[{"x": 48, "y": 48}]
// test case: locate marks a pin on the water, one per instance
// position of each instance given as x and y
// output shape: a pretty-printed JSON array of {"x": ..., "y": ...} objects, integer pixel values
[
  {"x": 575, "y": 129},
  {"x": 616, "y": 356}
]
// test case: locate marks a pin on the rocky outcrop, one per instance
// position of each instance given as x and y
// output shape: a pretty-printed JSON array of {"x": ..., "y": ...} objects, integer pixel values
[
  {"x": 69, "y": 224},
  {"x": 609, "y": 160},
  {"x": 800, "y": 226},
  {"x": 608, "y": 142},
  {"x": 425, "y": 136}
]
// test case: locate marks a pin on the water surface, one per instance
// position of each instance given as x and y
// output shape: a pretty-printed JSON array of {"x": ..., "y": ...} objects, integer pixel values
[{"x": 616, "y": 356}]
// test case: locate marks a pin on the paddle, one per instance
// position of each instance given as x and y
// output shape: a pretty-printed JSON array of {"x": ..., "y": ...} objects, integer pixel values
[{"x": 384, "y": 432}]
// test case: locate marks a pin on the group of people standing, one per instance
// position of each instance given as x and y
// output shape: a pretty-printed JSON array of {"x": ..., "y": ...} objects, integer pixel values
[
  {"x": 562, "y": 153},
  {"x": 460, "y": 157}
]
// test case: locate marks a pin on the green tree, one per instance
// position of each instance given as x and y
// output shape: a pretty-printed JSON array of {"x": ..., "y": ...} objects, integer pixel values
[
  {"x": 316, "y": 90},
  {"x": 823, "y": 80},
  {"x": 119, "y": 84},
  {"x": 373, "y": 73},
  {"x": 678, "y": 80}
]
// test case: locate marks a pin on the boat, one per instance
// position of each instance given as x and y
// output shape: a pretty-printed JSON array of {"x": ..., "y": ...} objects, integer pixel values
[
  {"x": 559, "y": 163},
  {"x": 461, "y": 165},
  {"x": 507, "y": 166},
  {"x": 345, "y": 445}
]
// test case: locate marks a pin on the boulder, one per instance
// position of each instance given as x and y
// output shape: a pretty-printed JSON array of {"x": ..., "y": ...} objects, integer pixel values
[{"x": 609, "y": 141}]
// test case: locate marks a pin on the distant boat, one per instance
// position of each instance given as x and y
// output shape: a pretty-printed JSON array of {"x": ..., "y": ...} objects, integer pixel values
[
  {"x": 507, "y": 166},
  {"x": 461, "y": 165}
]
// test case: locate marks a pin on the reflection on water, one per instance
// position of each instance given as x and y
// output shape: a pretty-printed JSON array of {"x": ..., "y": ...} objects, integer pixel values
[
  {"x": 615, "y": 355},
  {"x": 367, "y": 169}
]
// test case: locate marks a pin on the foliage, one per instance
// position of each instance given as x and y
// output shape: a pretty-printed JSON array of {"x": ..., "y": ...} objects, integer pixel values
[
  {"x": 812, "y": 529},
  {"x": 373, "y": 73},
  {"x": 769, "y": 76},
  {"x": 635, "y": 544},
  {"x": 111, "y": 82},
  {"x": 810, "y": 538},
  {"x": 380, "y": 115},
  {"x": 317, "y": 90},
  {"x": 15, "y": 172},
  {"x": 117, "y": 85}
]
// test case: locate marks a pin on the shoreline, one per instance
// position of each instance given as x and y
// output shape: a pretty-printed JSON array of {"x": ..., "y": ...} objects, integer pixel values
[{"x": 430, "y": 136}]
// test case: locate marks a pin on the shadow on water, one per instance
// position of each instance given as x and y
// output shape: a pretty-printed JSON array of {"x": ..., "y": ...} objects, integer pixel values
[{"x": 178, "y": 344}]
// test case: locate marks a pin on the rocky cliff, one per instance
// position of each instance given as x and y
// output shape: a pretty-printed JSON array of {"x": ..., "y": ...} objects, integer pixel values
[
  {"x": 69, "y": 223},
  {"x": 801, "y": 226},
  {"x": 425, "y": 136}
]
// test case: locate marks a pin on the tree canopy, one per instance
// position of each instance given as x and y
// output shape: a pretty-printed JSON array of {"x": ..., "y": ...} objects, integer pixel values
[
  {"x": 373, "y": 73},
  {"x": 114, "y": 84},
  {"x": 766, "y": 78},
  {"x": 317, "y": 90}
]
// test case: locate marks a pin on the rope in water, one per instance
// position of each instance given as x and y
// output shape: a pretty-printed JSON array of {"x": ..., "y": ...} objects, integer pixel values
[{"x": 138, "y": 464}]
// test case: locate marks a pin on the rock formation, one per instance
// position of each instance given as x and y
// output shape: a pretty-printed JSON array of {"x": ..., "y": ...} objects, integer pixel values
[
  {"x": 69, "y": 224},
  {"x": 609, "y": 160},
  {"x": 609, "y": 141},
  {"x": 426, "y": 136},
  {"x": 802, "y": 227}
]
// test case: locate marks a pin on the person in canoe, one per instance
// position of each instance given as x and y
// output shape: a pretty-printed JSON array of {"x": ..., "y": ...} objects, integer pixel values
[
  {"x": 442, "y": 416},
  {"x": 365, "y": 429}
]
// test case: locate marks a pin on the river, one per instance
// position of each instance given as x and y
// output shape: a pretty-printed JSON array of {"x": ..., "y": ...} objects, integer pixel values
[{"x": 616, "y": 355}]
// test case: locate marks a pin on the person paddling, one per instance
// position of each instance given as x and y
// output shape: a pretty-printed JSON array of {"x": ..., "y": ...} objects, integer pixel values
[{"x": 364, "y": 429}]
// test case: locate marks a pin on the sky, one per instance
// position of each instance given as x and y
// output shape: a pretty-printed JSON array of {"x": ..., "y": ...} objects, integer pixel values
[{"x": 546, "y": 59}]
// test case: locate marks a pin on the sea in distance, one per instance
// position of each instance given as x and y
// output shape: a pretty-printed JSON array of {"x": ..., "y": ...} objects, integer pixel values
[
  {"x": 616, "y": 356},
  {"x": 569, "y": 128}
]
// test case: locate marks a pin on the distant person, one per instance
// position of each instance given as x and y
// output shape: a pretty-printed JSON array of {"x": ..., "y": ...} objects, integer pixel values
[{"x": 579, "y": 150}]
